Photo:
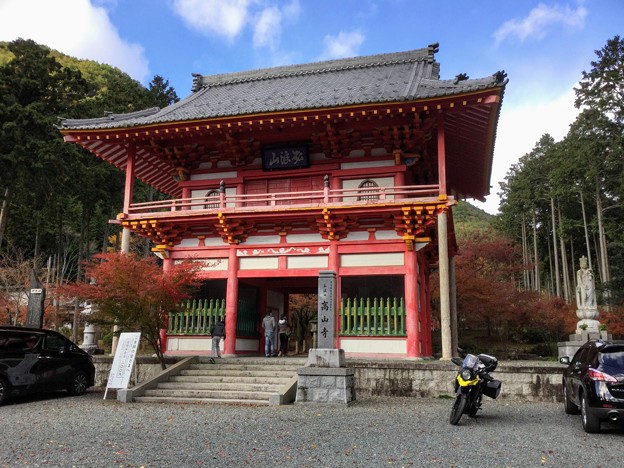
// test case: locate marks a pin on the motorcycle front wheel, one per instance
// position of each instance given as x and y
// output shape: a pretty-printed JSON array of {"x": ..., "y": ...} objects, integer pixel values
[{"x": 458, "y": 409}]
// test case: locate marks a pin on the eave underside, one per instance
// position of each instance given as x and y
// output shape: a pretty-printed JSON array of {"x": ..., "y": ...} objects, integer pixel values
[{"x": 469, "y": 123}]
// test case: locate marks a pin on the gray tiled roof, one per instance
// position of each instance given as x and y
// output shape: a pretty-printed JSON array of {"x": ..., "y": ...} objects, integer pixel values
[{"x": 395, "y": 77}]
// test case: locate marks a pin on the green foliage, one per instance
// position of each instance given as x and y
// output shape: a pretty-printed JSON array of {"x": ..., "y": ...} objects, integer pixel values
[{"x": 60, "y": 196}]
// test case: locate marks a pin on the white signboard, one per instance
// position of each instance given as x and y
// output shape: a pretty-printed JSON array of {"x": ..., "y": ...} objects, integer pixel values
[{"x": 124, "y": 361}]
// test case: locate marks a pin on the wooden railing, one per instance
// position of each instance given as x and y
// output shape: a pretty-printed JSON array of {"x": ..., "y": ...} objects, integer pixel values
[
  {"x": 372, "y": 317},
  {"x": 327, "y": 196},
  {"x": 196, "y": 317},
  {"x": 358, "y": 317}
]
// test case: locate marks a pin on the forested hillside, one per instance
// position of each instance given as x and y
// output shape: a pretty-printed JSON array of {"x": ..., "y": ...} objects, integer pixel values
[{"x": 57, "y": 199}]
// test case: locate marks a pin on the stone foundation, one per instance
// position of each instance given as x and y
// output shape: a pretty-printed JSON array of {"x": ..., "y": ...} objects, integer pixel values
[{"x": 329, "y": 385}]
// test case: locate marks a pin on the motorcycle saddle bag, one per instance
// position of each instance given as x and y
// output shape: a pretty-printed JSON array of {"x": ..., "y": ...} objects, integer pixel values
[{"x": 492, "y": 388}]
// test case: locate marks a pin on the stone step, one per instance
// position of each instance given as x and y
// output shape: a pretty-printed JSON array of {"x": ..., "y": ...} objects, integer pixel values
[
  {"x": 230, "y": 379},
  {"x": 249, "y": 365},
  {"x": 178, "y": 400},
  {"x": 227, "y": 380},
  {"x": 237, "y": 373},
  {"x": 234, "y": 386},
  {"x": 255, "y": 361},
  {"x": 209, "y": 394}
]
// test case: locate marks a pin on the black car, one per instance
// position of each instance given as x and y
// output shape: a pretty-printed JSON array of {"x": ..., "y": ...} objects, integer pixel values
[
  {"x": 34, "y": 360},
  {"x": 593, "y": 383}
]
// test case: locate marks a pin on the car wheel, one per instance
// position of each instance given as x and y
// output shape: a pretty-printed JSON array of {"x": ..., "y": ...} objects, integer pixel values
[
  {"x": 569, "y": 407},
  {"x": 79, "y": 384},
  {"x": 4, "y": 390},
  {"x": 591, "y": 423}
]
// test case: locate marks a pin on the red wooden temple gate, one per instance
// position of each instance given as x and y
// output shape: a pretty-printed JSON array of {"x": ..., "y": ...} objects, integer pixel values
[{"x": 273, "y": 175}]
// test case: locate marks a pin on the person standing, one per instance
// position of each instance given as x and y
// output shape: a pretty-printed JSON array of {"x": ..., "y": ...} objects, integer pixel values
[
  {"x": 217, "y": 332},
  {"x": 268, "y": 323},
  {"x": 284, "y": 335}
]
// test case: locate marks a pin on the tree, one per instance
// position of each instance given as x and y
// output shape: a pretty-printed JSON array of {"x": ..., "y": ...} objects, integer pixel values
[
  {"x": 602, "y": 88},
  {"x": 135, "y": 293},
  {"x": 160, "y": 93}
]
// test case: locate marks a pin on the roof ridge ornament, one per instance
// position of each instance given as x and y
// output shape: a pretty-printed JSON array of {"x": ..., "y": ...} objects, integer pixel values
[
  {"x": 460, "y": 77},
  {"x": 500, "y": 76}
]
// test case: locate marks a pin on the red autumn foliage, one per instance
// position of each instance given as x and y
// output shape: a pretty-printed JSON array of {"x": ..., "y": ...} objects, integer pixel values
[
  {"x": 135, "y": 293},
  {"x": 487, "y": 271}
]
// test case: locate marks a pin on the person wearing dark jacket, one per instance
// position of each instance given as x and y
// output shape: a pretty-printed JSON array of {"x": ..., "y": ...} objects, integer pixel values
[{"x": 217, "y": 332}]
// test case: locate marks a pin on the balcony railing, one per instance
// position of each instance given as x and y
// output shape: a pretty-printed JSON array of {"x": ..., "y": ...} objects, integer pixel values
[{"x": 318, "y": 198}]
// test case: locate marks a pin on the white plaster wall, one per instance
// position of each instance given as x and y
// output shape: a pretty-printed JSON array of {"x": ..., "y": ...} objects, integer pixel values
[
  {"x": 189, "y": 344},
  {"x": 304, "y": 238},
  {"x": 258, "y": 263},
  {"x": 374, "y": 346},
  {"x": 214, "y": 264},
  {"x": 374, "y": 259},
  {"x": 386, "y": 235},
  {"x": 273, "y": 239},
  {"x": 309, "y": 261}
]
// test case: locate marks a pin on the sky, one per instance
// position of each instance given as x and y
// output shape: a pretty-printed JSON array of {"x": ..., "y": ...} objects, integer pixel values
[{"x": 543, "y": 46}]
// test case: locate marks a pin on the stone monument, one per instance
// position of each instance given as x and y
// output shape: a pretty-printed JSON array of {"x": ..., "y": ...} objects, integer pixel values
[
  {"x": 36, "y": 300},
  {"x": 325, "y": 379},
  {"x": 587, "y": 328}
]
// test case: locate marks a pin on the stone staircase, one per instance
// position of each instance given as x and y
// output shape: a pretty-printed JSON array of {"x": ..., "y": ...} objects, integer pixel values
[{"x": 241, "y": 380}]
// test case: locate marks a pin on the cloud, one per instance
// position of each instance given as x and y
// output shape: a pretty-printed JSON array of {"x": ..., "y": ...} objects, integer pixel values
[
  {"x": 346, "y": 44},
  {"x": 268, "y": 29},
  {"x": 86, "y": 33},
  {"x": 218, "y": 17},
  {"x": 519, "y": 129},
  {"x": 540, "y": 18},
  {"x": 229, "y": 19}
]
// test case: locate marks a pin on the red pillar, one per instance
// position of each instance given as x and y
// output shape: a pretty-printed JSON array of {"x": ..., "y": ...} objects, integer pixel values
[
  {"x": 167, "y": 264},
  {"x": 411, "y": 305},
  {"x": 129, "y": 186},
  {"x": 231, "y": 303},
  {"x": 425, "y": 305}
]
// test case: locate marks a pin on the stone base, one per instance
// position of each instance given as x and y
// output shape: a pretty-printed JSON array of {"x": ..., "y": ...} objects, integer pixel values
[
  {"x": 326, "y": 357},
  {"x": 326, "y": 379},
  {"x": 325, "y": 385},
  {"x": 568, "y": 348}
]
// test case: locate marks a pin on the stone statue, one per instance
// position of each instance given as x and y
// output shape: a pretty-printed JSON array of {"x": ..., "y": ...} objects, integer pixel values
[{"x": 585, "y": 287}]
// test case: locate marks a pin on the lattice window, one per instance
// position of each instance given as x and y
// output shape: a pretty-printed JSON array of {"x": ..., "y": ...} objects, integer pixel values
[
  {"x": 367, "y": 190},
  {"x": 209, "y": 206}
]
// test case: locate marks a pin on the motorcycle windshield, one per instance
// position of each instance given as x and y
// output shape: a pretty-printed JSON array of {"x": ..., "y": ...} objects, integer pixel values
[{"x": 470, "y": 361}]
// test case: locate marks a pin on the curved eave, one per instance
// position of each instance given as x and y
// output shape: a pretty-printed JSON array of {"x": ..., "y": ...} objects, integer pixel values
[{"x": 470, "y": 123}]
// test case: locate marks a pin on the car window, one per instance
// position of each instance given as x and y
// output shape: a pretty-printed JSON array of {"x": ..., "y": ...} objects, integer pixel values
[
  {"x": 613, "y": 358},
  {"x": 580, "y": 355},
  {"x": 54, "y": 343},
  {"x": 18, "y": 341}
]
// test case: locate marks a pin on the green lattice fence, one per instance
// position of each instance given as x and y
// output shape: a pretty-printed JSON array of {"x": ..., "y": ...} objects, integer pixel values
[
  {"x": 372, "y": 317},
  {"x": 196, "y": 317}
]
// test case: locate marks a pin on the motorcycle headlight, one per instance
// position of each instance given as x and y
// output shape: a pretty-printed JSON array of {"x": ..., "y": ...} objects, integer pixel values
[{"x": 466, "y": 374}]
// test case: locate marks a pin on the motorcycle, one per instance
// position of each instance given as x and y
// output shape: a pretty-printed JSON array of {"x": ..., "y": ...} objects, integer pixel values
[{"x": 472, "y": 382}]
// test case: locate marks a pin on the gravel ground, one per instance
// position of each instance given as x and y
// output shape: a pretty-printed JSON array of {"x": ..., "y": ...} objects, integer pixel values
[{"x": 87, "y": 431}]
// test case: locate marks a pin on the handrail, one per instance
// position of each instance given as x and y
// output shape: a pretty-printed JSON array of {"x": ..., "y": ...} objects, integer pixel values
[{"x": 369, "y": 195}]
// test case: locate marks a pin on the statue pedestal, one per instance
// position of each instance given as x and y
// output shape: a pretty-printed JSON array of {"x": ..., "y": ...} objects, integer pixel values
[{"x": 568, "y": 348}]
